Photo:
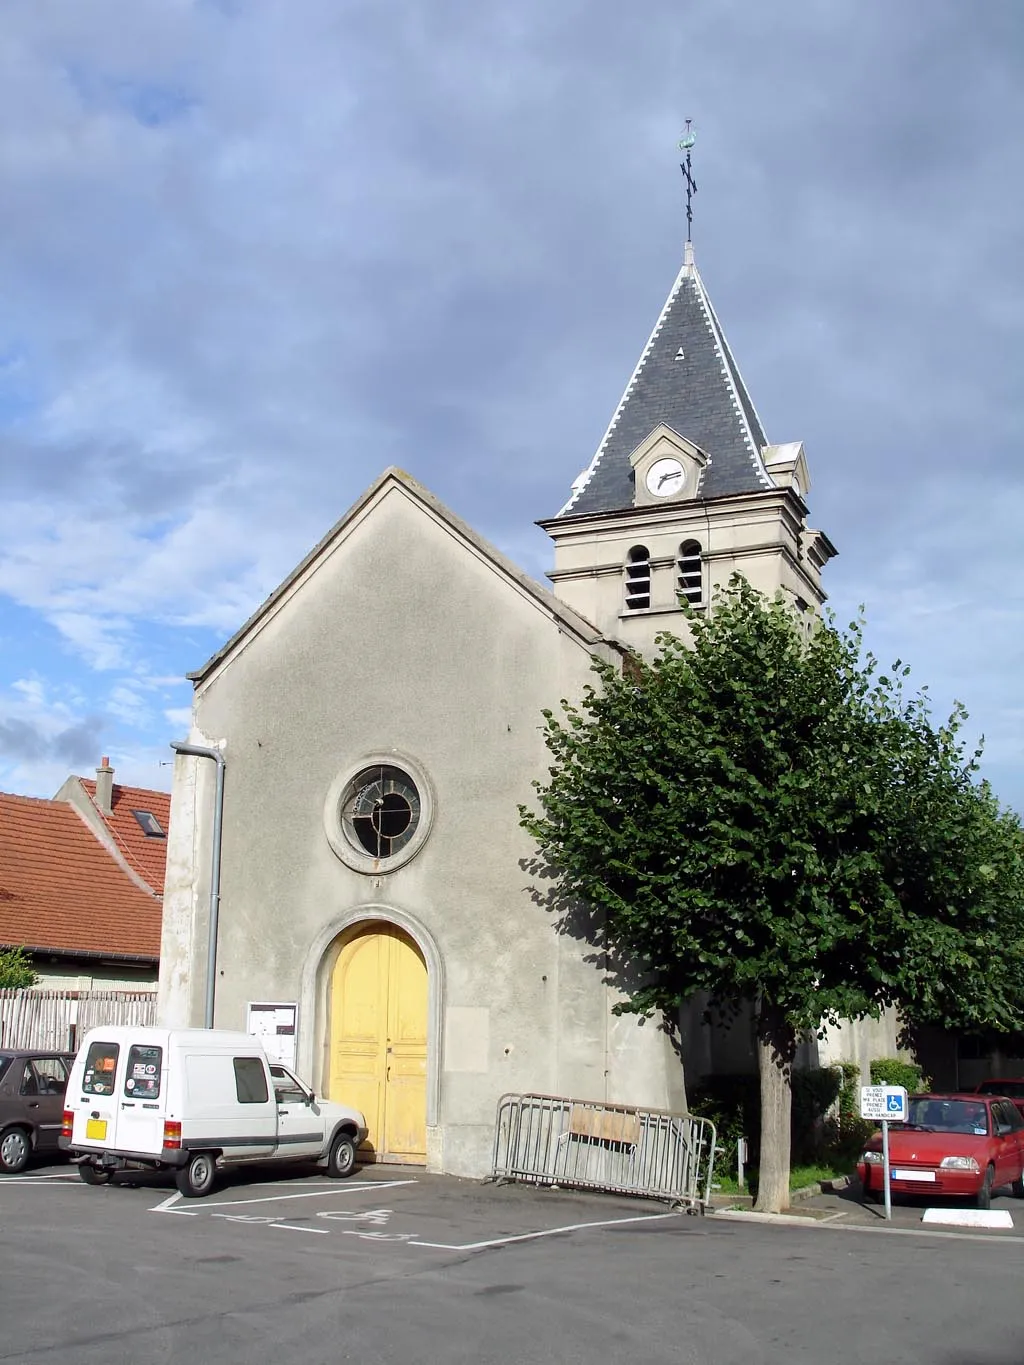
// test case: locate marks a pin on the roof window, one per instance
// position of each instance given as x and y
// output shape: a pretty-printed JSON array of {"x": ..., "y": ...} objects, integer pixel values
[{"x": 149, "y": 824}]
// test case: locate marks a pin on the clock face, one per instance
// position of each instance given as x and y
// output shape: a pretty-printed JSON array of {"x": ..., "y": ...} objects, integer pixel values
[{"x": 666, "y": 477}]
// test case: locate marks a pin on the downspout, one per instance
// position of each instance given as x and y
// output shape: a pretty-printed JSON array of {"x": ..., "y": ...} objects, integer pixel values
[{"x": 200, "y": 751}]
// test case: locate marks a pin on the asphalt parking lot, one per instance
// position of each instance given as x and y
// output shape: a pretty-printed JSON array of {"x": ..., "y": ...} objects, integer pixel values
[
  {"x": 848, "y": 1208},
  {"x": 395, "y": 1265}
]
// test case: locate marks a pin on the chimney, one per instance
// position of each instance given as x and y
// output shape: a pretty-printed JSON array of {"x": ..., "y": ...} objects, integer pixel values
[{"x": 104, "y": 786}]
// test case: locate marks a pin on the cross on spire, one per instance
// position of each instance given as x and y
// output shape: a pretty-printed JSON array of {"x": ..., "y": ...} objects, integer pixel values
[{"x": 686, "y": 142}]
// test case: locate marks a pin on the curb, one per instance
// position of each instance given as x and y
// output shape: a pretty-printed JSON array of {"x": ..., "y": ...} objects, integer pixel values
[
  {"x": 748, "y": 1216},
  {"x": 841, "y": 1182}
]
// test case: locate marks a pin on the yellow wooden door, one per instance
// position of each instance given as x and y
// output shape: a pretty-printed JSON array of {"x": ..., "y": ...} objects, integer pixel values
[{"x": 379, "y": 1039}]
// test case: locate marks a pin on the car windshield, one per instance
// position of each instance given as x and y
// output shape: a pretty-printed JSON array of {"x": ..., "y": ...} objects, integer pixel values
[{"x": 949, "y": 1116}]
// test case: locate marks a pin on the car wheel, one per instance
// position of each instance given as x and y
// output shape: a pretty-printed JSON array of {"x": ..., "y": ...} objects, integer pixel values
[
  {"x": 92, "y": 1175},
  {"x": 196, "y": 1177},
  {"x": 15, "y": 1150},
  {"x": 342, "y": 1159},
  {"x": 985, "y": 1193}
]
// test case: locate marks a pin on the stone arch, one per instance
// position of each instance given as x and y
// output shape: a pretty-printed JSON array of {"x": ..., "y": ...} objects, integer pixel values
[{"x": 315, "y": 985}]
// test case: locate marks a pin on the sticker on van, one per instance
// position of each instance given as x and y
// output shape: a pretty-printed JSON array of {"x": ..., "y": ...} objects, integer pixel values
[
  {"x": 142, "y": 1081},
  {"x": 100, "y": 1068}
]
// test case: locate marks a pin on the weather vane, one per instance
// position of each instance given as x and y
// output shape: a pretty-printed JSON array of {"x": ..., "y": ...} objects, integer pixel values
[{"x": 686, "y": 142}]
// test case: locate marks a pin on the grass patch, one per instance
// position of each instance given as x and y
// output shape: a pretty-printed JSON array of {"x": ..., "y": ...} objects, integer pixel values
[{"x": 799, "y": 1177}]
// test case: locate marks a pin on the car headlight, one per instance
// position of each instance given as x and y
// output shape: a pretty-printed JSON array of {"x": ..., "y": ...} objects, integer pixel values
[
  {"x": 960, "y": 1163},
  {"x": 872, "y": 1158}
]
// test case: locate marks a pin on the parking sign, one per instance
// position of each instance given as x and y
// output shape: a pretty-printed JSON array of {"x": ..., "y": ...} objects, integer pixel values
[{"x": 883, "y": 1103}]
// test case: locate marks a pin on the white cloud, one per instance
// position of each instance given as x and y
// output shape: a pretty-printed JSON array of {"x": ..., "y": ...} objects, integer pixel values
[{"x": 251, "y": 255}]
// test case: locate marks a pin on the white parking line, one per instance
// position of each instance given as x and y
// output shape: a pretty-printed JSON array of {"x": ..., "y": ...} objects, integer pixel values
[
  {"x": 291, "y": 1227},
  {"x": 167, "y": 1205},
  {"x": 547, "y": 1232},
  {"x": 38, "y": 1179},
  {"x": 171, "y": 1199},
  {"x": 312, "y": 1194}
]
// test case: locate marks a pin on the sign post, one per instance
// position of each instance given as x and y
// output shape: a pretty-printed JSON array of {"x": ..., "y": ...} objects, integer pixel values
[{"x": 885, "y": 1104}]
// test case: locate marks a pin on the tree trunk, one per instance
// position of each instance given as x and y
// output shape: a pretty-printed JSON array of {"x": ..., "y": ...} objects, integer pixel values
[{"x": 776, "y": 1046}]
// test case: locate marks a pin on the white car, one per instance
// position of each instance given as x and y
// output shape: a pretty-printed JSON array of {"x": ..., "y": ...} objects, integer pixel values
[{"x": 195, "y": 1101}]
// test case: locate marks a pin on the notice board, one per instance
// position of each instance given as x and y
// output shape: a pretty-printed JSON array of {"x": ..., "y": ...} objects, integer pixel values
[{"x": 273, "y": 1023}]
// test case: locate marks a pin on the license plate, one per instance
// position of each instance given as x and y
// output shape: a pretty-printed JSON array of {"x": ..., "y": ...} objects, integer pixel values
[
  {"x": 900, "y": 1174},
  {"x": 96, "y": 1129}
]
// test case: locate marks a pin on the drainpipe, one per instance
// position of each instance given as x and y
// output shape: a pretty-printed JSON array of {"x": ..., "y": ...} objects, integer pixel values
[{"x": 200, "y": 751}]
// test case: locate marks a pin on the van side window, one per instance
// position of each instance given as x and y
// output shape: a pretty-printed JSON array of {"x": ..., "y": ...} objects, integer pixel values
[
  {"x": 142, "y": 1074},
  {"x": 100, "y": 1068},
  {"x": 250, "y": 1081}
]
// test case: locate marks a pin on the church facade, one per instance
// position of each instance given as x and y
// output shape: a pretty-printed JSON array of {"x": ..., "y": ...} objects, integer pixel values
[{"x": 378, "y": 721}]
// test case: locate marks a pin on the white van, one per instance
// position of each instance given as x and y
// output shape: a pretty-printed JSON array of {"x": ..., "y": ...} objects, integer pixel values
[{"x": 195, "y": 1100}]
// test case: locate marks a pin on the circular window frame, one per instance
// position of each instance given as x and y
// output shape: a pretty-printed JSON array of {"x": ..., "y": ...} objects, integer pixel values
[{"x": 357, "y": 858}]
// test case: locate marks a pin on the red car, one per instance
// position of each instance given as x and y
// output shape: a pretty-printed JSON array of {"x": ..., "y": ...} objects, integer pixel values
[
  {"x": 1011, "y": 1087},
  {"x": 962, "y": 1146}
]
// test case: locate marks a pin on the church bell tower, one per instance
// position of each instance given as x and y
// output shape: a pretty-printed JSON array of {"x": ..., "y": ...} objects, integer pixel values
[{"x": 684, "y": 489}]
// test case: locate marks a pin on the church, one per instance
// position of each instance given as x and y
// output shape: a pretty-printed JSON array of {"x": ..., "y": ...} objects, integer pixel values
[{"x": 349, "y": 825}]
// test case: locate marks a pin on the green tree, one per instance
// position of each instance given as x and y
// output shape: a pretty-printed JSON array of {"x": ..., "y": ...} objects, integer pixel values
[
  {"x": 765, "y": 817},
  {"x": 16, "y": 970}
]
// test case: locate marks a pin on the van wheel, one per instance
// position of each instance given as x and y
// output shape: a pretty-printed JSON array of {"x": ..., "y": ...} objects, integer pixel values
[
  {"x": 196, "y": 1178},
  {"x": 92, "y": 1175},
  {"x": 342, "y": 1158},
  {"x": 15, "y": 1150}
]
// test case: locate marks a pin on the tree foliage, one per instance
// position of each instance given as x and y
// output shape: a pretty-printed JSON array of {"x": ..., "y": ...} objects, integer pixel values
[
  {"x": 16, "y": 970},
  {"x": 766, "y": 816}
]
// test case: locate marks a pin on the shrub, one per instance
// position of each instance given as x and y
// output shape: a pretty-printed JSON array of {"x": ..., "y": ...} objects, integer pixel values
[
  {"x": 891, "y": 1071},
  {"x": 733, "y": 1104},
  {"x": 814, "y": 1094},
  {"x": 16, "y": 970}
]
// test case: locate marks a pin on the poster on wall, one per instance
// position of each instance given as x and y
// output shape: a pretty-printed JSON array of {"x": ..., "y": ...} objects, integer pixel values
[{"x": 273, "y": 1024}]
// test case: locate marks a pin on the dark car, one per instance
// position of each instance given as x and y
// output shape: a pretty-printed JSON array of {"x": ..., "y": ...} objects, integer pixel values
[
  {"x": 1011, "y": 1086},
  {"x": 32, "y": 1085}
]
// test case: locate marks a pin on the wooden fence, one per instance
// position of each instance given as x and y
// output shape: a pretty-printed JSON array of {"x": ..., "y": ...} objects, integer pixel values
[{"x": 61, "y": 1019}]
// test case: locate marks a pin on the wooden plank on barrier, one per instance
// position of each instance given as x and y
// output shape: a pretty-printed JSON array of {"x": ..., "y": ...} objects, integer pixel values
[{"x": 605, "y": 1125}]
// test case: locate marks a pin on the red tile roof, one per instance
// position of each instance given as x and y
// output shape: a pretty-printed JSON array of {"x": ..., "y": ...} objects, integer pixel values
[
  {"x": 61, "y": 889},
  {"x": 144, "y": 853}
]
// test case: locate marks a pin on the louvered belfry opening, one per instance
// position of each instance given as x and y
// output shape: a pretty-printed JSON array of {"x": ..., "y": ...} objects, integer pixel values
[
  {"x": 638, "y": 579},
  {"x": 689, "y": 576}
]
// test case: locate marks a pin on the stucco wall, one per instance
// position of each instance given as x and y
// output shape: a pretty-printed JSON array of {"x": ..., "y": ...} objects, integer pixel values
[
  {"x": 729, "y": 1049},
  {"x": 54, "y": 976},
  {"x": 406, "y": 639},
  {"x": 760, "y": 536}
]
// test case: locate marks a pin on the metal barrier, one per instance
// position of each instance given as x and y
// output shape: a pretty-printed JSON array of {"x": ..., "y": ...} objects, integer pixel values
[{"x": 586, "y": 1144}]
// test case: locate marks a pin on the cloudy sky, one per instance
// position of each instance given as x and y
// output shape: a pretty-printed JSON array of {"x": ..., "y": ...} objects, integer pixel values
[{"x": 254, "y": 251}]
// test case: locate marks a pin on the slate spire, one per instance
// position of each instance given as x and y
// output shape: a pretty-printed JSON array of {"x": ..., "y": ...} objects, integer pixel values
[{"x": 687, "y": 378}]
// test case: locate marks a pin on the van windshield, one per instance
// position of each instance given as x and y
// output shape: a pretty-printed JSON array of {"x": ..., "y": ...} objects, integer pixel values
[
  {"x": 142, "y": 1074},
  {"x": 100, "y": 1069}
]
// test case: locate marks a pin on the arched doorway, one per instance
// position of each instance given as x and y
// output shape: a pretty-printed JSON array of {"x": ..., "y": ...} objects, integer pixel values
[{"x": 378, "y": 1038}]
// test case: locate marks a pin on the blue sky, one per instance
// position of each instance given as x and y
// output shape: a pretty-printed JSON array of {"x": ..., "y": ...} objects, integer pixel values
[{"x": 253, "y": 253}]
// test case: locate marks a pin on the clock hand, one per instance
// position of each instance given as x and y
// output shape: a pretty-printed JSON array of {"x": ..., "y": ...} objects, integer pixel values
[{"x": 665, "y": 477}]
